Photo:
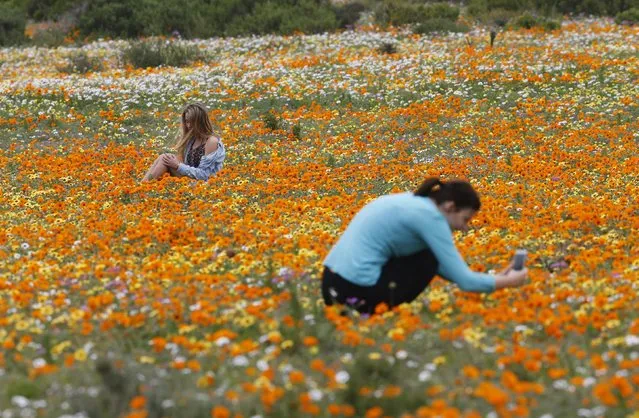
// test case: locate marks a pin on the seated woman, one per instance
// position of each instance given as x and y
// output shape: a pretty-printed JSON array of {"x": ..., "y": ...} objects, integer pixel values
[
  {"x": 200, "y": 153},
  {"x": 396, "y": 244}
]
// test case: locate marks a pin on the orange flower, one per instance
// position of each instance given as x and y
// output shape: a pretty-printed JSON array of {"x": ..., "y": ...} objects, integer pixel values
[
  {"x": 296, "y": 377},
  {"x": 220, "y": 412},
  {"x": 374, "y": 412},
  {"x": 138, "y": 402},
  {"x": 310, "y": 341}
]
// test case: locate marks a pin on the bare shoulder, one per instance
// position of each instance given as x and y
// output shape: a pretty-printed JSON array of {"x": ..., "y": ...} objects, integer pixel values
[{"x": 211, "y": 144}]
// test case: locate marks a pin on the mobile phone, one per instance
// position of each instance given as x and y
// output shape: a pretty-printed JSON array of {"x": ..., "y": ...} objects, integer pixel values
[{"x": 520, "y": 259}]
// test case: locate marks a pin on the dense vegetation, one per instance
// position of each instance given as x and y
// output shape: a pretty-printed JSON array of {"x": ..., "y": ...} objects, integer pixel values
[{"x": 86, "y": 20}]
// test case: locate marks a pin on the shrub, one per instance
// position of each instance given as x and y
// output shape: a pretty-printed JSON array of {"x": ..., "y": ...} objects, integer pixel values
[
  {"x": 387, "y": 48},
  {"x": 512, "y": 5},
  {"x": 440, "y": 26},
  {"x": 307, "y": 16},
  {"x": 12, "y": 25},
  {"x": 118, "y": 18},
  {"x": 348, "y": 14},
  {"x": 630, "y": 16},
  {"x": 51, "y": 36},
  {"x": 296, "y": 131},
  {"x": 156, "y": 52},
  {"x": 498, "y": 17},
  {"x": 48, "y": 9},
  {"x": 528, "y": 21},
  {"x": 271, "y": 121},
  {"x": 439, "y": 11},
  {"x": 80, "y": 63},
  {"x": 551, "y": 25},
  {"x": 407, "y": 12},
  {"x": 478, "y": 8}
]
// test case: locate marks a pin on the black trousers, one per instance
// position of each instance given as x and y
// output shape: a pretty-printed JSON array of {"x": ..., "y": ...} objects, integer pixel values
[{"x": 402, "y": 280}]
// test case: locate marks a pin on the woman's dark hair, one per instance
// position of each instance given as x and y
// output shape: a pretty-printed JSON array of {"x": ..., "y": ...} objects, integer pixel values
[{"x": 458, "y": 191}]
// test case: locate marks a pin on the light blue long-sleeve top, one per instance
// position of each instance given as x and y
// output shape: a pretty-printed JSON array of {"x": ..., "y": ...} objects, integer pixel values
[
  {"x": 209, "y": 164},
  {"x": 398, "y": 225}
]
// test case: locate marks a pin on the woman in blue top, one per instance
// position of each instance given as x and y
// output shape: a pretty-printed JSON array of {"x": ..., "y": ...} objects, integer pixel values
[
  {"x": 200, "y": 153},
  {"x": 397, "y": 243}
]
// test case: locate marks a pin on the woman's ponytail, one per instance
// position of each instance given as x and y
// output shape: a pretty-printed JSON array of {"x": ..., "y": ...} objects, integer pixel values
[
  {"x": 458, "y": 191},
  {"x": 429, "y": 187}
]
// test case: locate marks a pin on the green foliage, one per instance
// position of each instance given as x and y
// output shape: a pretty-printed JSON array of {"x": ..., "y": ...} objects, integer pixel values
[
  {"x": 478, "y": 8},
  {"x": 349, "y": 13},
  {"x": 296, "y": 130},
  {"x": 406, "y": 12},
  {"x": 48, "y": 9},
  {"x": 50, "y": 37},
  {"x": 307, "y": 16},
  {"x": 120, "y": 18},
  {"x": 12, "y": 24},
  {"x": 271, "y": 121},
  {"x": 387, "y": 48},
  {"x": 629, "y": 16},
  {"x": 156, "y": 52},
  {"x": 80, "y": 63},
  {"x": 22, "y": 387},
  {"x": 528, "y": 21},
  {"x": 440, "y": 26}
]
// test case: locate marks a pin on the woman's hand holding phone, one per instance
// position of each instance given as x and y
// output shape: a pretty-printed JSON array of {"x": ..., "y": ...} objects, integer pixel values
[{"x": 515, "y": 274}]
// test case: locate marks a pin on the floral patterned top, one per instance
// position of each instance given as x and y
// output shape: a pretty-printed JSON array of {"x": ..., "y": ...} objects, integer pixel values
[{"x": 194, "y": 156}]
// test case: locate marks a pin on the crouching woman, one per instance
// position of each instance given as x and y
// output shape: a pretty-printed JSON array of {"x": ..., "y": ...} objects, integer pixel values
[{"x": 396, "y": 244}]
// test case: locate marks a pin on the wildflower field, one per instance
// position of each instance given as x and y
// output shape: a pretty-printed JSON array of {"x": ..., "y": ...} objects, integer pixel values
[{"x": 180, "y": 298}]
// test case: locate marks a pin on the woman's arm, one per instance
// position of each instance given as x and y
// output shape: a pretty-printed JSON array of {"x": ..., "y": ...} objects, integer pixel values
[
  {"x": 438, "y": 236},
  {"x": 210, "y": 163}
]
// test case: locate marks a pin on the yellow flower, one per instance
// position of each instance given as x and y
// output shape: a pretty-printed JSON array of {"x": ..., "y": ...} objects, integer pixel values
[
  {"x": 374, "y": 356},
  {"x": 439, "y": 360},
  {"x": 22, "y": 325},
  {"x": 146, "y": 360},
  {"x": 77, "y": 314},
  {"x": 247, "y": 321},
  {"x": 613, "y": 323},
  {"x": 59, "y": 348},
  {"x": 287, "y": 344},
  {"x": 203, "y": 382},
  {"x": 80, "y": 355}
]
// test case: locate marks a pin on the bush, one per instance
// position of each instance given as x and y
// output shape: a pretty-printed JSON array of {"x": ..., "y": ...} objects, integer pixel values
[
  {"x": 630, "y": 16},
  {"x": 81, "y": 63},
  {"x": 51, "y": 36},
  {"x": 153, "y": 53},
  {"x": 387, "y": 48},
  {"x": 307, "y": 16},
  {"x": 439, "y": 11},
  {"x": 440, "y": 26},
  {"x": 478, "y": 8},
  {"x": 498, "y": 17},
  {"x": 528, "y": 21},
  {"x": 407, "y": 12},
  {"x": 271, "y": 121},
  {"x": 347, "y": 14},
  {"x": 119, "y": 18},
  {"x": 48, "y": 9},
  {"x": 12, "y": 25}
]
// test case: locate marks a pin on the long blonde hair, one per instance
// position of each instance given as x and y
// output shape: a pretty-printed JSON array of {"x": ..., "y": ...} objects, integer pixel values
[{"x": 201, "y": 127}]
